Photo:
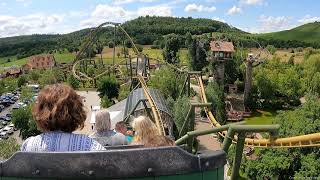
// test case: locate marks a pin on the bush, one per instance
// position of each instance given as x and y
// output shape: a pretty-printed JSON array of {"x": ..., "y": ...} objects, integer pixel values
[
  {"x": 108, "y": 86},
  {"x": 124, "y": 92},
  {"x": 155, "y": 47},
  {"x": 271, "y": 49},
  {"x": 110, "y": 45},
  {"x": 139, "y": 47},
  {"x": 168, "y": 82},
  {"x": 180, "y": 110},
  {"x": 22, "y": 119},
  {"x": 8, "y": 148},
  {"x": 215, "y": 96},
  {"x": 106, "y": 102},
  {"x": 22, "y": 80},
  {"x": 73, "y": 82}
]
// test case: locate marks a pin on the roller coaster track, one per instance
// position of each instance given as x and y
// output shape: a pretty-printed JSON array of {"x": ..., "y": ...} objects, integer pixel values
[
  {"x": 154, "y": 108},
  {"x": 89, "y": 41},
  {"x": 309, "y": 140}
]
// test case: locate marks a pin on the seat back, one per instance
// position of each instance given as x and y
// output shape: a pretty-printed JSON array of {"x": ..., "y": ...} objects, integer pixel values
[{"x": 111, "y": 164}]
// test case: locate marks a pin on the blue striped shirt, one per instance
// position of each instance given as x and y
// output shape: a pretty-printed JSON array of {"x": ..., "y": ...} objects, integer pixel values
[{"x": 60, "y": 141}]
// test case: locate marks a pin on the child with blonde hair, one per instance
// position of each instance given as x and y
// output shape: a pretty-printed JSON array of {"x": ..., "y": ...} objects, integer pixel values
[{"x": 144, "y": 129}]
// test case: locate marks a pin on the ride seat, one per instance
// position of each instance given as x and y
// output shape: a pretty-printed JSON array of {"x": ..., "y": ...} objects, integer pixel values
[{"x": 123, "y": 163}]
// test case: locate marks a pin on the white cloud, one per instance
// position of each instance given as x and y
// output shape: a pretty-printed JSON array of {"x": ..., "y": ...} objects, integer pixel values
[
  {"x": 198, "y": 8},
  {"x": 119, "y": 2},
  {"x": 219, "y": 19},
  {"x": 251, "y": 2},
  {"x": 160, "y": 10},
  {"x": 234, "y": 10},
  {"x": 308, "y": 19},
  {"x": 25, "y": 3},
  {"x": 104, "y": 12},
  {"x": 271, "y": 24},
  {"x": 29, "y": 24}
]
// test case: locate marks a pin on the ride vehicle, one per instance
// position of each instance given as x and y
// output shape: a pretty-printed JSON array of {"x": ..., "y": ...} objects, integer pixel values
[
  {"x": 9, "y": 115},
  {"x": 3, "y": 135},
  {"x": 8, "y": 130}
]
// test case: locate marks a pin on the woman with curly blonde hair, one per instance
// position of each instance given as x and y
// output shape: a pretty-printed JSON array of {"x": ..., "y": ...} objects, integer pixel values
[{"x": 144, "y": 129}]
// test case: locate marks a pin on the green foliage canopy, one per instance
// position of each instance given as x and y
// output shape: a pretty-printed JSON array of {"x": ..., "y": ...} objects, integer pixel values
[
  {"x": 168, "y": 82},
  {"x": 108, "y": 86}
]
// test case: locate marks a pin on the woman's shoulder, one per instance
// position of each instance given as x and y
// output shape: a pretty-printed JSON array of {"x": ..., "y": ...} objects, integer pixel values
[
  {"x": 60, "y": 141},
  {"x": 31, "y": 142}
]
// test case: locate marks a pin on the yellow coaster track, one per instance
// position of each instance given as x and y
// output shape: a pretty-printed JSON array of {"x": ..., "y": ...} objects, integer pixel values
[
  {"x": 309, "y": 140},
  {"x": 154, "y": 108}
]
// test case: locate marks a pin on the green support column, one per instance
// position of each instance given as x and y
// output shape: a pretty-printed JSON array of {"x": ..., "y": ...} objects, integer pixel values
[
  {"x": 190, "y": 141},
  {"x": 188, "y": 88},
  {"x": 228, "y": 140},
  {"x": 238, "y": 157}
]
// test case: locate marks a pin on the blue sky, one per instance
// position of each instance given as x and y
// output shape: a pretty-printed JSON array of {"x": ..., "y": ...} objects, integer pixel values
[{"x": 20, "y": 17}]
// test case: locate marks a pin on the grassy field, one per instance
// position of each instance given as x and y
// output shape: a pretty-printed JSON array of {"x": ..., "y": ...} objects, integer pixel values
[
  {"x": 14, "y": 61},
  {"x": 284, "y": 54},
  {"x": 261, "y": 117},
  {"x": 307, "y": 33},
  {"x": 107, "y": 56}
]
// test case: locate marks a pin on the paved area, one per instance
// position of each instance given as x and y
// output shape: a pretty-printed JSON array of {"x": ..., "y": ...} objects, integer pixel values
[
  {"x": 91, "y": 98},
  {"x": 207, "y": 142},
  {"x": 16, "y": 133}
]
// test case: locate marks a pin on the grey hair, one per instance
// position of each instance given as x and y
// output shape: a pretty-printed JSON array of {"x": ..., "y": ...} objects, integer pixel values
[{"x": 103, "y": 122}]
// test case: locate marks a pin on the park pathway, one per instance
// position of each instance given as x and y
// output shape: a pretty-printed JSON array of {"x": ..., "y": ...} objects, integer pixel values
[{"x": 207, "y": 142}]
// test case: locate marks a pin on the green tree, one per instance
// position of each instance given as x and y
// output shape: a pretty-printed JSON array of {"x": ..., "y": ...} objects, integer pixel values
[
  {"x": 291, "y": 60},
  {"x": 171, "y": 49},
  {"x": 22, "y": 119},
  {"x": 108, "y": 86},
  {"x": 197, "y": 53},
  {"x": 91, "y": 71},
  {"x": 315, "y": 83},
  {"x": 26, "y": 93},
  {"x": 139, "y": 47},
  {"x": 99, "y": 47},
  {"x": 47, "y": 78},
  {"x": 34, "y": 75},
  {"x": 10, "y": 84},
  {"x": 22, "y": 80},
  {"x": 289, "y": 84},
  {"x": 310, "y": 166},
  {"x": 110, "y": 44},
  {"x": 2, "y": 87},
  {"x": 215, "y": 95},
  {"x": 271, "y": 49},
  {"x": 59, "y": 75},
  {"x": 286, "y": 163},
  {"x": 265, "y": 86},
  {"x": 168, "y": 82},
  {"x": 180, "y": 110},
  {"x": 73, "y": 82},
  {"x": 105, "y": 102},
  {"x": 124, "y": 92}
]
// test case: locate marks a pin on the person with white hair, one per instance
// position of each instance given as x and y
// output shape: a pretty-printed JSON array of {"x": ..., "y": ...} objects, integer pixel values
[{"x": 103, "y": 133}]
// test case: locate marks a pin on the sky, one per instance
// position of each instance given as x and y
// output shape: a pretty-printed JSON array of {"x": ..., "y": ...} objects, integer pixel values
[{"x": 24, "y": 17}]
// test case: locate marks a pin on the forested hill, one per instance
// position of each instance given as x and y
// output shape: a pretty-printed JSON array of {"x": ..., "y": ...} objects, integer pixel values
[
  {"x": 148, "y": 29},
  {"x": 309, "y": 33},
  {"x": 144, "y": 30},
  {"x": 24, "y": 46}
]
